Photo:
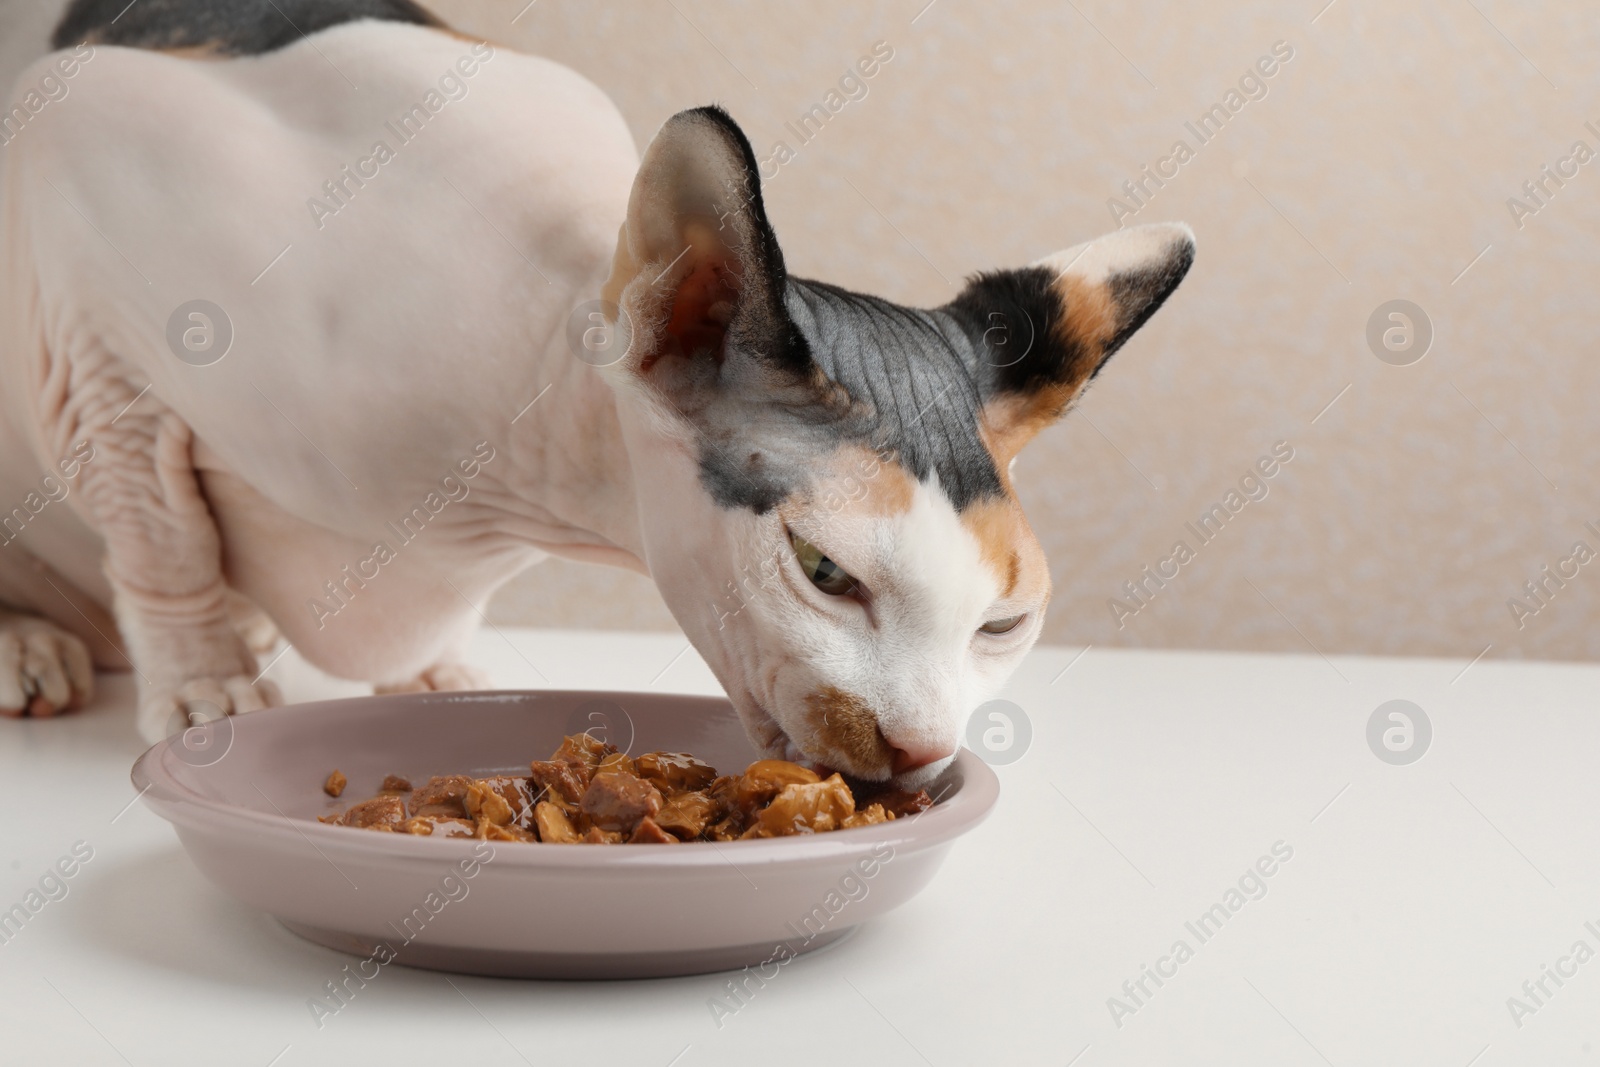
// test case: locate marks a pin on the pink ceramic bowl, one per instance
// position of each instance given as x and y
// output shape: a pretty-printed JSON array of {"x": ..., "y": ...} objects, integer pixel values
[{"x": 244, "y": 794}]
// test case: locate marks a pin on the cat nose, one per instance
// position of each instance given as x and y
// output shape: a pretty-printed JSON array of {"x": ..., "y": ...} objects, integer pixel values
[{"x": 920, "y": 755}]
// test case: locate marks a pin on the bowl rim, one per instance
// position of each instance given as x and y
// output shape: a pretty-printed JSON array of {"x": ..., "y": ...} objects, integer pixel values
[{"x": 969, "y": 803}]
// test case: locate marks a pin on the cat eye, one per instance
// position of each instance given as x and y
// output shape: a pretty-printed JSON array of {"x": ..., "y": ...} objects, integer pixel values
[
  {"x": 1001, "y": 626},
  {"x": 824, "y": 573}
]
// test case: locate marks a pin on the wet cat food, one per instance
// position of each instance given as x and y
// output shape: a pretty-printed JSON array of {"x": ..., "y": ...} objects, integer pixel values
[{"x": 587, "y": 792}]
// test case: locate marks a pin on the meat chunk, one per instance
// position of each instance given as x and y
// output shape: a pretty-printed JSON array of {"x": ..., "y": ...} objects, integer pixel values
[
  {"x": 485, "y": 804},
  {"x": 674, "y": 772},
  {"x": 649, "y": 833},
  {"x": 765, "y": 779},
  {"x": 553, "y": 825},
  {"x": 597, "y": 836},
  {"x": 446, "y": 795},
  {"x": 688, "y": 814},
  {"x": 335, "y": 784},
  {"x": 584, "y": 751},
  {"x": 616, "y": 762},
  {"x": 379, "y": 813},
  {"x": 488, "y": 831},
  {"x": 559, "y": 778},
  {"x": 728, "y": 829},
  {"x": 735, "y": 818},
  {"x": 393, "y": 783},
  {"x": 871, "y": 815},
  {"x": 518, "y": 794},
  {"x": 618, "y": 801},
  {"x": 805, "y": 808},
  {"x": 897, "y": 802}
]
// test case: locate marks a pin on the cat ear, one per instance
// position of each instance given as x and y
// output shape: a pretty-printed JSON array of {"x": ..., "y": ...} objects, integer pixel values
[
  {"x": 698, "y": 274},
  {"x": 1044, "y": 331}
]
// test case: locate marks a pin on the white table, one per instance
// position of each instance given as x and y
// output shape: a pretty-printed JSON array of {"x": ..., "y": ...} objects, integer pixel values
[{"x": 1417, "y": 900}]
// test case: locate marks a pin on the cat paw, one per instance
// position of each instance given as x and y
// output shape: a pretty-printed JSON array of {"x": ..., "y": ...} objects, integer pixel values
[
  {"x": 259, "y": 634},
  {"x": 162, "y": 714},
  {"x": 43, "y": 669}
]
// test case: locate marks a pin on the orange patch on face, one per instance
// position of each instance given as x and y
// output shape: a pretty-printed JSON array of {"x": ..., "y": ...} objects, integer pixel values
[
  {"x": 1007, "y": 544},
  {"x": 845, "y": 723}
]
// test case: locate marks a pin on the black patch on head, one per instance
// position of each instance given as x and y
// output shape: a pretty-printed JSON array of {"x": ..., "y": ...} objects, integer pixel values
[
  {"x": 228, "y": 27},
  {"x": 1013, "y": 318}
]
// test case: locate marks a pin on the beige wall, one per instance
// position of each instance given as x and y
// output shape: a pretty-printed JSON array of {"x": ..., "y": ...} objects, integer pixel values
[{"x": 1377, "y": 167}]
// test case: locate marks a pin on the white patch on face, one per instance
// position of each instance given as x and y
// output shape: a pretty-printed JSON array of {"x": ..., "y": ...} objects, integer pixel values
[
  {"x": 907, "y": 654},
  {"x": 920, "y": 678},
  {"x": 773, "y": 639}
]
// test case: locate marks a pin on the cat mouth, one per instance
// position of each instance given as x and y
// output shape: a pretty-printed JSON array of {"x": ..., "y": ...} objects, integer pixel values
[{"x": 775, "y": 743}]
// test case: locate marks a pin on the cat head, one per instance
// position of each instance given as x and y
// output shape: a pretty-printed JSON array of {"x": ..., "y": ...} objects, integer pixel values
[{"x": 824, "y": 476}]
